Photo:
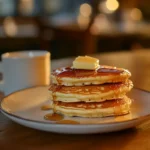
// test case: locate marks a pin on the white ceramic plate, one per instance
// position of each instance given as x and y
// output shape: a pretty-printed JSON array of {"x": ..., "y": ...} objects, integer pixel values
[{"x": 24, "y": 107}]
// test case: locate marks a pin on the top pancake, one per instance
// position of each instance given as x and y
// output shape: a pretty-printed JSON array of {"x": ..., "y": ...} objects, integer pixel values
[{"x": 77, "y": 77}]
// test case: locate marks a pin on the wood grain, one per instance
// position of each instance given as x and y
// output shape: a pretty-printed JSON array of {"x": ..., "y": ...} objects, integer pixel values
[{"x": 14, "y": 136}]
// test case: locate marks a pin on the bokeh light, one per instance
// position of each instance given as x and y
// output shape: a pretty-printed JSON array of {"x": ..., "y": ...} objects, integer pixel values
[
  {"x": 10, "y": 27},
  {"x": 108, "y": 6},
  {"x": 136, "y": 14},
  {"x": 112, "y": 5},
  {"x": 85, "y": 10}
]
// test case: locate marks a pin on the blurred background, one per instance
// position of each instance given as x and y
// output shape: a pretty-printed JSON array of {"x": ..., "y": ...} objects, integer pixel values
[{"x": 74, "y": 27}]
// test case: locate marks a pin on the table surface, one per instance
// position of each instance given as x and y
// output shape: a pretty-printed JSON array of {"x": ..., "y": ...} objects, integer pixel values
[{"x": 15, "y": 136}]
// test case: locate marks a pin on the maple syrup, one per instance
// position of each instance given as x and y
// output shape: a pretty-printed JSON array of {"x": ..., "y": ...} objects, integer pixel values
[
  {"x": 71, "y": 72},
  {"x": 53, "y": 117},
  {"x": 46, "y": 107}
]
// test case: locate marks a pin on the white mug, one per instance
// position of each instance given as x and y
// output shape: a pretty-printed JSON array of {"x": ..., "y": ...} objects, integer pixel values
[{"x": 24, "y": 69}]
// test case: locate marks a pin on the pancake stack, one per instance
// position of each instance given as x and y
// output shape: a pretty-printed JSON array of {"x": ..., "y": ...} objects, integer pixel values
[{"x": 97, "y": 91}]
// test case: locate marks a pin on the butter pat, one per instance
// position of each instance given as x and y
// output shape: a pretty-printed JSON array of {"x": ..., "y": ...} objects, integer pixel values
[{"x": 85, "y": 62}]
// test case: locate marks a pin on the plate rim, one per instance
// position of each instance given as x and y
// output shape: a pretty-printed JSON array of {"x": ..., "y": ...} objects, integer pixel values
[{"x": 54, "y": 123}]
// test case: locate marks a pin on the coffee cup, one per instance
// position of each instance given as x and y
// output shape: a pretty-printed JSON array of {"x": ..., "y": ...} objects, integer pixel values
[{"x": 24, "y": 69}]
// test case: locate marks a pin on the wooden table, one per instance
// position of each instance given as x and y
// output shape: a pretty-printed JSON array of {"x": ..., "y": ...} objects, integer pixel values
[{"x": 14, "y": 136}]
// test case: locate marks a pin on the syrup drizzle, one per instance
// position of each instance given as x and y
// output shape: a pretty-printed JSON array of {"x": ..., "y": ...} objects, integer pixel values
[
  {"x": 53, "y": 117},
  {"x": 46, "y": 107},
  {"x": 71, "y": 72}
]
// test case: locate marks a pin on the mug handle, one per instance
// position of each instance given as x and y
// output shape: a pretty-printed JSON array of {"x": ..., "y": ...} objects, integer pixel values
[{"x": 1, "y": 81}]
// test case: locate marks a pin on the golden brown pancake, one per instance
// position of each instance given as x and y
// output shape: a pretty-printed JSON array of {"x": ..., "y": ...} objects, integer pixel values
[
  {"x": 77, "y": 77},
  {"x": 95, "y": 109},
  {"x": 90, "y": 93}
]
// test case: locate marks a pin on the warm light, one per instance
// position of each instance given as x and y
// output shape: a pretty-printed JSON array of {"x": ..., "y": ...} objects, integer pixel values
[
  {"x": 112, "y": 5},
  {"x": 85, "y": 10},
  {"x": 108, "y": 6},
  {"x": 10, "y": 26},
  {"x": 136, "y": 14},
  {"x": 83, "y": 21}
]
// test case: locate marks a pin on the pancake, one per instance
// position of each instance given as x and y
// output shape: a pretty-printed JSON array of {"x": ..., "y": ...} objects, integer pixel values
[
  {"x": 78, "y": 77},
  {"x": 90, "y": 93},
  {"x": 100, "y": 109}
]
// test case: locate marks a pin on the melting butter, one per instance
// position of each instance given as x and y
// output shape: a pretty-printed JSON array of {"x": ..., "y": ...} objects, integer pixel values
[{"x": 86, "y": 62}]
